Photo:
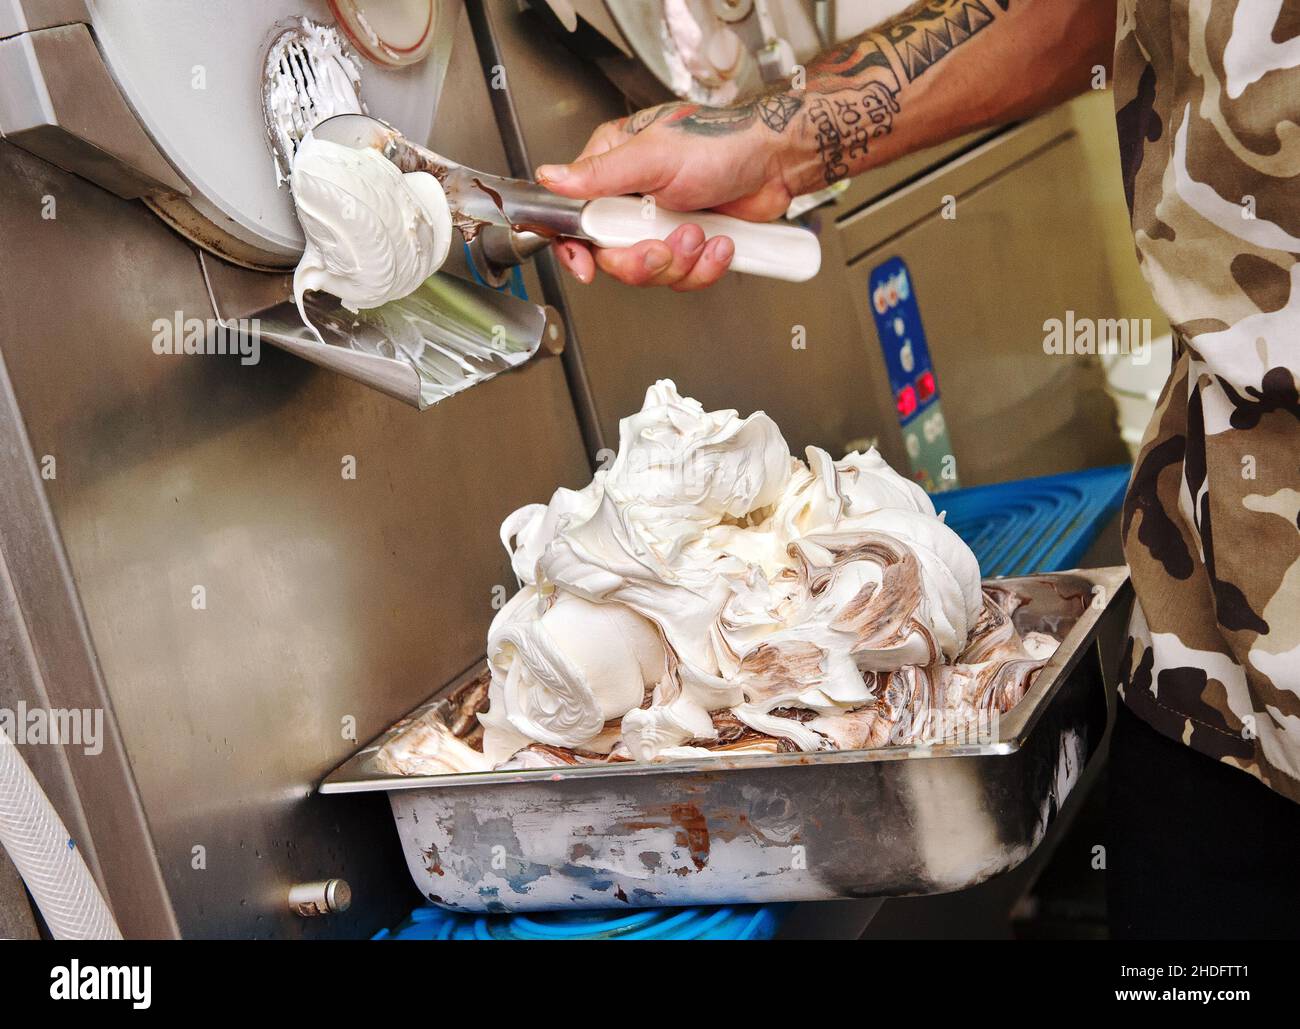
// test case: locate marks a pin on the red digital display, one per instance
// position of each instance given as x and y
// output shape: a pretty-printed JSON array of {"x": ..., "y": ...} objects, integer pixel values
[{"x": 906, "y": 402}]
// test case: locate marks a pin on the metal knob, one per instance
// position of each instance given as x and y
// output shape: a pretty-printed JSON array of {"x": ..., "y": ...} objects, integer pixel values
[
  {"x": 323, "y": 897},
  {"x": 496, "y": 249}
]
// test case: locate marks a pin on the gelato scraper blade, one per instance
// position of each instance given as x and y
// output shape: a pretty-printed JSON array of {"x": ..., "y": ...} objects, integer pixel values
[{"x": 449, "y": 335}]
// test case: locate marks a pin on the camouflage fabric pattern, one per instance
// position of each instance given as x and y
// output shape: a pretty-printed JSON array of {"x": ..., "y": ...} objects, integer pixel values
[{"x": 1207, "y": 96}]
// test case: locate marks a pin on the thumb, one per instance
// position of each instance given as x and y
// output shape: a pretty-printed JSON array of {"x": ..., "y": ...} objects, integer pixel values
[{"x": 623, "y": 169}]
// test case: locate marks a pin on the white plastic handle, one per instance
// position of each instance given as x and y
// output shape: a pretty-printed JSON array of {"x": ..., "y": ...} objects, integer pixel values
[{"x": 774, "y": 251}]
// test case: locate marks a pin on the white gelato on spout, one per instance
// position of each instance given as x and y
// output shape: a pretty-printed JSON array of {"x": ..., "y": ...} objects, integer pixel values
[
  {"x": 373, "y": 233},
  {"x": 708, "y": 571}
]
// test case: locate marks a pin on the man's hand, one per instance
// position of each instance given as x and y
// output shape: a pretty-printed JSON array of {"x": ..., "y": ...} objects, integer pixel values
[{"x": 690, "y": 158}]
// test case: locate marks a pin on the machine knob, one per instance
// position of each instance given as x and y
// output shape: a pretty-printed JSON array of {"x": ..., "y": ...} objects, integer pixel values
[{"x": 323, "y": 897}]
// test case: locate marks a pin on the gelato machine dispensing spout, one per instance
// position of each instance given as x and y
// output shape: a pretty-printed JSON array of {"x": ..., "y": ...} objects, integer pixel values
[
  {"x": 374, "y": 239},
  {"x": 378, "y": 212}
]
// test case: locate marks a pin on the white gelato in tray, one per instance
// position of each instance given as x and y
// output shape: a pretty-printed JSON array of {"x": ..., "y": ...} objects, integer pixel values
[{"x": 708, "y": 592}]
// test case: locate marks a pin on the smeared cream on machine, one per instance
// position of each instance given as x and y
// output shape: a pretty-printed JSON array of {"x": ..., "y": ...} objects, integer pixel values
[
  {"x": 709, "y": 593},
  {"x": 308, "y": 76}
]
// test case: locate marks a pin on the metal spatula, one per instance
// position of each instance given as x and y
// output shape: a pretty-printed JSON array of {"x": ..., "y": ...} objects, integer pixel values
[{"x": 478, "y": 199}]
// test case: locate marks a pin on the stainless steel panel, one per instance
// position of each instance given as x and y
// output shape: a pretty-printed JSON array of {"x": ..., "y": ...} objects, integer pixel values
[
  {"x": 741, "y": 828},
  {"x": 987, "y": 280},
  {"x": 47, "y": 664},
  {"x": 29, "y": 15},
  {"x": 878, "y": 206},
  {"x": 60, "y": 102},
  {"x": 885, "y": 178},
  {"x": 328, "y": 600}
]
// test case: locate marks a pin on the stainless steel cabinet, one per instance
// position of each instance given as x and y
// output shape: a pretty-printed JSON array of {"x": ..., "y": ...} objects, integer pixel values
[{"x": 999, "y": 238}]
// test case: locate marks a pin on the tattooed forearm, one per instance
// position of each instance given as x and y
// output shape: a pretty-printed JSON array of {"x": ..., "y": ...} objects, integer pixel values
[
  {"x": 844, "y": 65},
  {"x": 933, "y": 29},
  {"x": 854, "y": 89},
  {"x": 853, "y": 99},
  {"x": 847, "y": 97},
  {"x": 843, "y": 126}
]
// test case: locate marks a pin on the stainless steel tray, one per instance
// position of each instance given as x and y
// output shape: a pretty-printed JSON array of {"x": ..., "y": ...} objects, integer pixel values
[{"x": 744, "y": 828}]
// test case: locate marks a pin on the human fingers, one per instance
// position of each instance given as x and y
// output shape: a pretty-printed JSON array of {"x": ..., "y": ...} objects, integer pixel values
[
  {"x": 637, "y": 265},
  {"x": 575, "y": 256},
  {"x": 711, "y": 266}
]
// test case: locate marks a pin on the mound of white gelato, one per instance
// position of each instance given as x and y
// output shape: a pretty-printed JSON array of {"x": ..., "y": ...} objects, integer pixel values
[
  {"x": 708, "y": 576},
  {"x": 373, "y": 233}
]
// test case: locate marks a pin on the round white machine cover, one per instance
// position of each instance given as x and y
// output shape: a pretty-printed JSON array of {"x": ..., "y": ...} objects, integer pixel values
[{"x": 192, "y": 71}]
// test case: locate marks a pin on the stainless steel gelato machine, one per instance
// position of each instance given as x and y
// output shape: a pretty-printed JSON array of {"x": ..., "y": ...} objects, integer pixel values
[{"x": 252, "y": 567}]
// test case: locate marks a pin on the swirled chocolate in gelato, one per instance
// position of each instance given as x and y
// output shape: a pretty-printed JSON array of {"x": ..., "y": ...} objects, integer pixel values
[{"x": 709, "y": 593}]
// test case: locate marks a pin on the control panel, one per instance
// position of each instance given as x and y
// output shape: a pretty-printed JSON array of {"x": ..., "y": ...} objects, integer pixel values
[{"x": 913, "y": 383}]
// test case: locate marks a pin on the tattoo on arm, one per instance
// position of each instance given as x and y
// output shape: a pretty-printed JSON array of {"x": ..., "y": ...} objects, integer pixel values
[
  {"x": 644, "y": 119},
  {"x": 851, "y": 93},
  {"x": 775, "y": 110},
  {"x": 857, "y": 85},
  {"x": 778, "y": 109},
  {"x": 843, "y": 126},
  {"x": 934, "y": 29},
  {"x": 714, "y": 121},
  {"x": 843, "y": 65}
]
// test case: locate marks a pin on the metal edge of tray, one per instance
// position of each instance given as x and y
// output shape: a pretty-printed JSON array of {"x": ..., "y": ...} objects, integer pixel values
[
  {"x": 1015, "y": 726},
  {"x": 358, "y": 773}
]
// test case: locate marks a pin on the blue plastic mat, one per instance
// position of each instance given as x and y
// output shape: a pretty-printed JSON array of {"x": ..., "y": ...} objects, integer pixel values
[
  {"x": 1015, "y": 528},
  {"x": 1035, "y": 525}
]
